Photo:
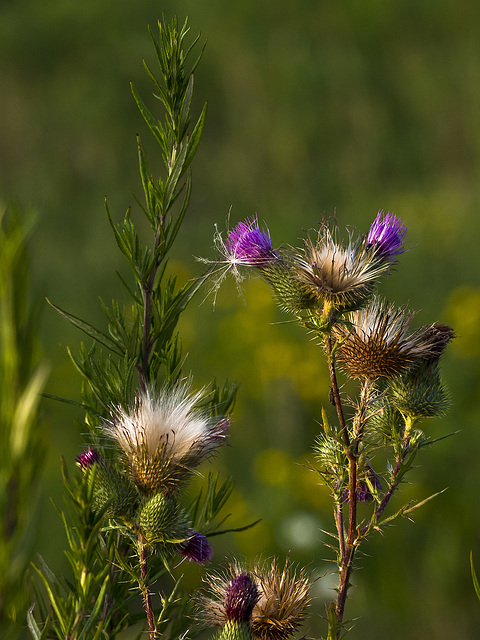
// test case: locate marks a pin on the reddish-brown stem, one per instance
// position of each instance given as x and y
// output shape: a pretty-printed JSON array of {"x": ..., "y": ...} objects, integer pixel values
[
  {"x": 350, "y": 546},
  {"x": 348, "y": 551},
  {"x": 143, "y": 556},
  {"x": 396, "y": 479},
  {"x": 340, "y": 530},
  {"x": 335, "y": 389}
]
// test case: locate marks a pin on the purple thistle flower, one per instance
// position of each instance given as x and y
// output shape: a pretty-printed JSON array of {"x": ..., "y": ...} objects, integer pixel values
[
  {"x": 86, "y": 459},
  {"x": 240, "y": 598},
  {"x": 363, "y": 492},
  {"x": 386, "y": 235},
  {"x": 197, "y": 548},
  {"x": 248, "y": 245}
]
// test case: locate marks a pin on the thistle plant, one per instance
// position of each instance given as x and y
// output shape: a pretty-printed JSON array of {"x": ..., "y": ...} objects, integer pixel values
[
  {"x": 148, "y": 429},
  {"x": 366, "y": 450}
]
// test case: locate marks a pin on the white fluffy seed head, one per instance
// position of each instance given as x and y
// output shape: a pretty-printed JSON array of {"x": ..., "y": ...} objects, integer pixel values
[{"x": 165, "y": 436}]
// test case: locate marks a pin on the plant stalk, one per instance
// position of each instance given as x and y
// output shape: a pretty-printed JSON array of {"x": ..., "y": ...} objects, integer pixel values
[{"x": 144, "y": 587}]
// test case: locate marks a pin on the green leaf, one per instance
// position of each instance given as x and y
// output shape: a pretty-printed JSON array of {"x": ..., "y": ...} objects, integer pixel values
[
  {"x": 234, "y": 530},
  {"x": 476, "y": 584},
  {"x": 51, "y": 583},
  {"x": 174, "y": 176},
  {"x": 149, "y": 118},
  {"x": 25, "y": 413},
  {"x": 195, "y": 137},
  {"x": 87, "y": 328},
  {"x": 33, "y": 627}
]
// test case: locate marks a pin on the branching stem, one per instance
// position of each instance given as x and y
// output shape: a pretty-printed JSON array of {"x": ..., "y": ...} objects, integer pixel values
[{"x": 348, "y": 546}]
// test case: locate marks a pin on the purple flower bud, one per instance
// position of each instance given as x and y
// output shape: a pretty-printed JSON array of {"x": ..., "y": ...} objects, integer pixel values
[
  {"x": 247, "y": 244},
  {"x": 241, "y": 596},
  {"x": 88, "y": 458},
  {"x": 386, "y": 235},
  {"x": 197, "y": 548}
]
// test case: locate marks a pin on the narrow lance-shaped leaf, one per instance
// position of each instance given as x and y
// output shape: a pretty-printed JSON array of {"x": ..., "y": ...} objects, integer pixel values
[
  {"x": 150, "y": 119},
  {"x": 87, "y": 328},
  {"x": 195, "y": 137}
]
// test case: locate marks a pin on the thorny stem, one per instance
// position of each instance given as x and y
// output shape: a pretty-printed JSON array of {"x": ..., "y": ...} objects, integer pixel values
[
  {"x": 143, "y": 556},
  {"x": 346, "y": 548},
  {"x": 335, "y": 389},
  {"x": 349, "y": 546},
  {"x": 340, "y": 530}
]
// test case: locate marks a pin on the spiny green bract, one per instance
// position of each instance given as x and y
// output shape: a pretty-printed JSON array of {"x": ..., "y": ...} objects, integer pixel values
[
  {"x": 290, "y": 295},
  {"x": 420, "y": 392},
  {"x": 235, "y": 630},
  {"x": 116, "y": 490},
  {"x": 162, "y": 521}
]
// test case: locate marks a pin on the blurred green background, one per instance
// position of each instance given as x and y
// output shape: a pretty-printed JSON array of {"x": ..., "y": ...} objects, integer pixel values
[{"x": 314, "y": 108}]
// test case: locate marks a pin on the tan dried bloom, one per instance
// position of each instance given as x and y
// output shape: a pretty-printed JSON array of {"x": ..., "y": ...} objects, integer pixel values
[
  {"x": 164, "y": 438},
  {"x": 343, "y": 277},
  {"x": 284, "y": 596},
  {"x": 378, "y": 342}
]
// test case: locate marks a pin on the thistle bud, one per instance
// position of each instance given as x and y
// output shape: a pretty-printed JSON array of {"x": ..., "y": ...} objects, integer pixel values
[
  {"x": 86, "y": 459},
  {"x": 265, "y": 602},
  {"x": 234, "y": 630},
  {"x": 230, "y": 602},
  {"x": 248, "y": 245},
  {"x": 420, "y": 392},
  {"x": 291, "y": 295},
  {"x": 196, "y": 548},
  {"x": 370, "y": 480},
  {"x": 162, "y": 522},
  {"x": 114, "y": 493}
]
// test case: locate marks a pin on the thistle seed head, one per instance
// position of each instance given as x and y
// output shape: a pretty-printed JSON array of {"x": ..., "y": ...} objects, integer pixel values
[
  {"x": 284, "y": 597},
  {"x": 377, "y": 342},
  {"x": 341, "y": 276},
  {"x": 163, "y": 438}
]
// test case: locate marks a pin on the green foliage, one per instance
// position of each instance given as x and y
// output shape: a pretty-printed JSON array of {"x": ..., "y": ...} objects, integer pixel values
[
  {"x": 118, "y": 532},
  {"x": 22, "y": 378},
  {"x": 94, "y": 603},
  {"x": 140, "y": 346}
]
